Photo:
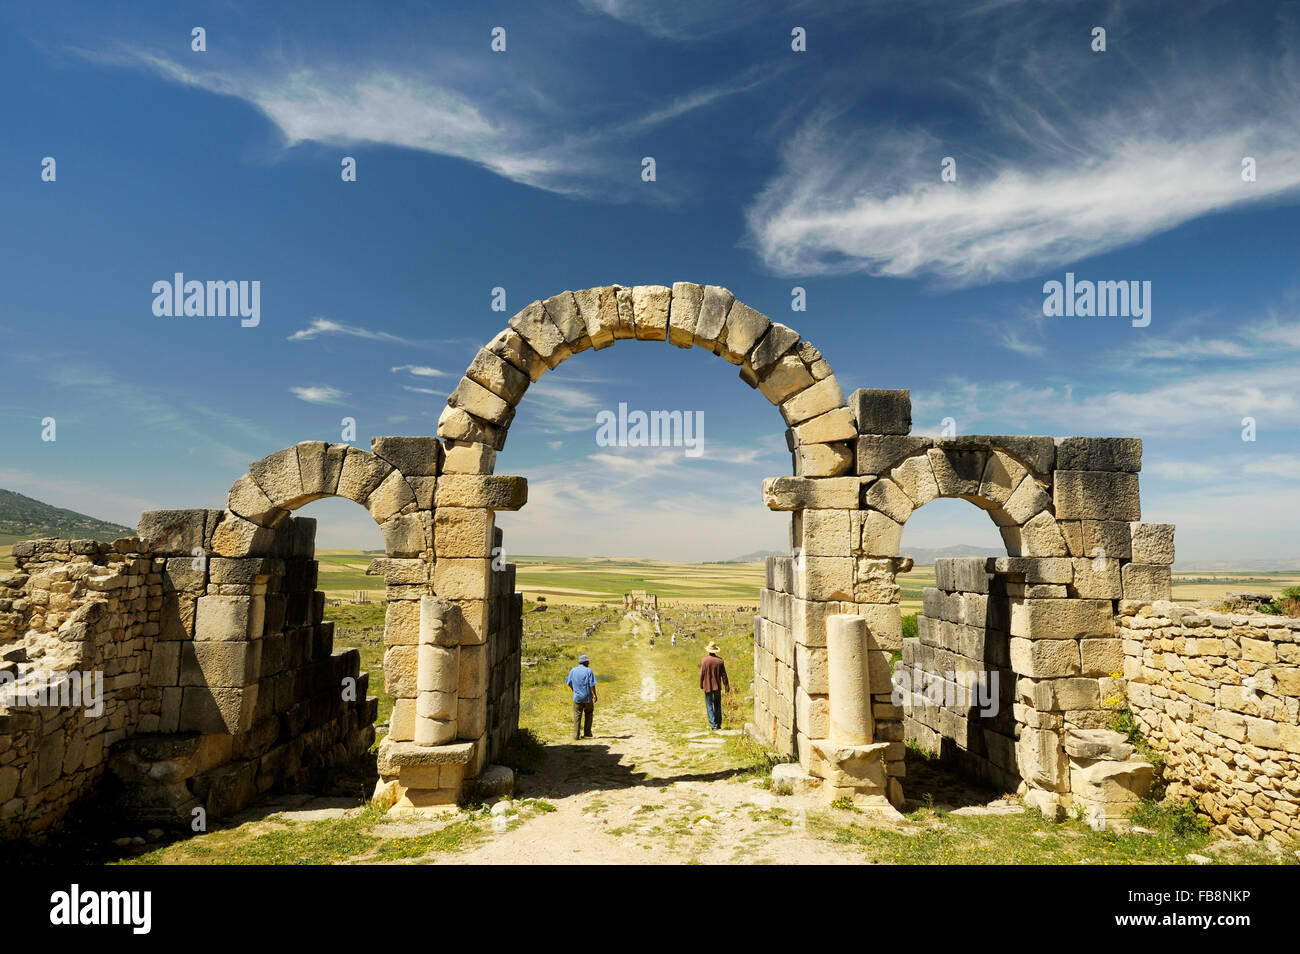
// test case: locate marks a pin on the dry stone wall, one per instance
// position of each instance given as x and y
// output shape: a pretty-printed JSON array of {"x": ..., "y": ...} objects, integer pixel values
[{"x": 1218, "y": 696}]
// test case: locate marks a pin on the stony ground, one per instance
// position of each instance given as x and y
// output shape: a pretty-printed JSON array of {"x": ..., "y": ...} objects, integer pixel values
[{"x": 655, "y": 786}]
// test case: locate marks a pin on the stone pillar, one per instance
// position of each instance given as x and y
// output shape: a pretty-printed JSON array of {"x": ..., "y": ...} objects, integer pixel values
[
  {"x": 437, "y": 677},
  {"x": 850, "y": 680}
]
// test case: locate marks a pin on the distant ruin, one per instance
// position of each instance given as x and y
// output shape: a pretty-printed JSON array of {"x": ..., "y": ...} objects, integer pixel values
[{"x": 221, "y": 683}]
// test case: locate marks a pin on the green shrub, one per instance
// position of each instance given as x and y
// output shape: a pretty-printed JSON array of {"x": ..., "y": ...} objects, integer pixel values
[{"x": 909, "y": 626}]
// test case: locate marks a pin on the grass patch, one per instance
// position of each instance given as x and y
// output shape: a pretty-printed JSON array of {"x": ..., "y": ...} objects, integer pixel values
[{"x": 452, "y": 837}]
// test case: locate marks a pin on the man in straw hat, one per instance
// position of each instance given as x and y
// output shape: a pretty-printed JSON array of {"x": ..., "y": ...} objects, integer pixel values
[
  {"x": 583, "y": 683},
  {"x": 713, "y": 679}
]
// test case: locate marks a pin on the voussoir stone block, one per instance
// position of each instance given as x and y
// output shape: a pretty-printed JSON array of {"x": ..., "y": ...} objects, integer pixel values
[
  {"x": 248, "y": 501},
  {"x": 362, "y": 473},
  {"x": 786, "y": 377},
  {"x": 915, "y": 477},
  {"x": 463, "y": 457},
  {"x": 413, "y": 456},
  {"x": 280, "y": 479},
  {"x": 684, "y": 313},
  {"x": 391, "y": 497},
  {"x": 885, "y": 496},
  {"x": 712, "y": 320},
  {"x": 773, "y": 346},
  {"x": 835, "y": 425},
  {"x": 535, "y": 327},
  {"x": 477, "y": 400},
  {"x": 823, "y": 460},
  {"x": 237, "y": 537},
  {"x": 743, "y": 329},
  {"x": 599, "y": 310},
  {"x": 511, "y": 347},
  {"x": 650, "y": 310},
  {"x": 958, "y": 473},
  {"x": 456, "y": 424},
  {"x": 878, "y": 454},
  {"x": 813, "y": 401},
  {"x": 564, "y": 313},
  {"x": 320, "y": 465},
  {"x": 498, "y": 375}
]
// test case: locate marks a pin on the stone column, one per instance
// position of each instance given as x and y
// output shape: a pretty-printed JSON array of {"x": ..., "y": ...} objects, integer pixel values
[
  {"x": 850, "y": 681},
  {"x": 437, "y": 678}
]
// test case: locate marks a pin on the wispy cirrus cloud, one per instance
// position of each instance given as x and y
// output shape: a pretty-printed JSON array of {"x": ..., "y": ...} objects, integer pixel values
[
  {"x": 421, "y": 371},
  {"x": 319, "y": 394},
  {"x": 327, "y": 326}
]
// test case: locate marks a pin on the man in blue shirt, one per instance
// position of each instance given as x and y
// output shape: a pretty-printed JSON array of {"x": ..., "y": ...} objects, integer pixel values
[{"x": 583, "y": 683}]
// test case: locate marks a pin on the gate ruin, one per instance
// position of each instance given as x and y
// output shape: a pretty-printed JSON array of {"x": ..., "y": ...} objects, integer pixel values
[{"x": 222, "y": 682}]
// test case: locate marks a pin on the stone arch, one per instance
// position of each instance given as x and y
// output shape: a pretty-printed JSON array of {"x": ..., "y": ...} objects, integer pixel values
[
  {"x": 1012, "y": 484},
  {"x": 395, "y": 482},
  {"x": 789, "y": 371}
]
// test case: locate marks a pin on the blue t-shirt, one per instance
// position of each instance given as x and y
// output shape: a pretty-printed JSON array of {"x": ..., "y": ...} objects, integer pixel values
[{"x": 581, "y": 680}]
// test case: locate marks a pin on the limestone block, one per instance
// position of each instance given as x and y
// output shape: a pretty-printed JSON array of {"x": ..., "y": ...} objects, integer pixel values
[
  {"x": 885, "y": 496},
  {"x": 823, "y": 532},
  {"x": 1101, "y": 657},
  {"x": 786, "y": 377},
  {"x": 823, "y": 460},
  {"x": 436, "y": 732},
  {"x": 1061, "y": 619},
  {"x": 463, "y": 532},
  {"x": 1142, "y": 581},
  {"x": 399, "y": 572},
  {"x": 1099, "y": 453},
  {"x": 510, "y": 346},
  {"x": 392, "y": 497},
  {"x": 236, "y": 537},
  {"x": 361, "y": 474},
  {"x": 280, "y": 479},
  {"x": 874, "y": 580},
  {"x": 465, "y": 458},
  {"x": 1002, "y": 476},
  {"x": 712, "y": 319},
  {"x": 800, "y": 493},
  {"x": 1060, "y": 695},
  {"x": 219, "y": 710},
  {"x": 229, "y": 618},
  {"x": 1026, "y": 501},
  {"x": 1040, "y": 536},
  {"x": 1045, "y": 658},
  {"x": 1097, "y": 578},
  {"x": 884, "y": 632},
  {"x": 810, "y": 667},
  {"x": 880, "y": 411},
  {"x": 821, "y": 397},
  {"x": 495, "y": 492},
  {"x": 413, "y": 456},
  {"x": 1096, "y": 495},
  {"x": 774, "y": 345},
  {"x": 247, "y": 500},
  {"x": 1105, "y": 780},
  {"x": 171, "y": 532},
  {"x": 743, "y": 329},
  {"x": 424, "y": 489},
  {"x": 881, "y": 536},
  {"x": 684, "y": 312},
  {"x": 1153, "y": 543},
  {"x": 401, "y": 666},
  {"x": 1048, "y": 804},
  {"x": 626, "y": 327},
  {"x": 533, "y": 325},
  {"x": 825, "y": 578},
  {"x": 878, "y": 454},
  {"x": 439, "y": 671},
  {"x": 221, "y": 663},
  {"x": 1041, "y": 759},
  {"x": 599, "y": 310},
  {"x": 563, "y": 311},
  {"x": 407, "y": 535},
  {"x": 456, "y": 424},
  {"x": 473, "y": 677},
  {"x": 1034, "y": 569},
  {"x": 958, "y": 473},
  {"x": 402, "y": 623},
  {"x": 499, "y": 376},
  {"x": 462, "y": 579},
  {"x": 650, "y": 310},
  {"x": 812, "y": 714},
  {"x": 1111, "y": 537},
  {"x": 477, "y": 400},
  {"x": 1097, "y": 744},
  {"x": 915, "y": 477},
  {"x": 834, "y": 425}
]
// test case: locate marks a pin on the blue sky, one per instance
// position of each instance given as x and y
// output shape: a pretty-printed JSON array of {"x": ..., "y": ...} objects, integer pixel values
[{"x": 775, "y": 169}]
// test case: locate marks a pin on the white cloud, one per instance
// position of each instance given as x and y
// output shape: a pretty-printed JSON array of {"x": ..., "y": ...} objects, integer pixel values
[
  {"x": 422, "y": 371},
  {"x": 319, "y": 394},
  {"x": 327, "y": 326}
]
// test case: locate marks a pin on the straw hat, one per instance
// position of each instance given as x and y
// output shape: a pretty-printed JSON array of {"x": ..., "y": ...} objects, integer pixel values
[{"x": 712, "y": 649}]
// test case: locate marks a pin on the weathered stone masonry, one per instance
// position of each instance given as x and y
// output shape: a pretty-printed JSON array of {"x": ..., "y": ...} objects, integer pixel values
[{"x": 222, "y": 682}]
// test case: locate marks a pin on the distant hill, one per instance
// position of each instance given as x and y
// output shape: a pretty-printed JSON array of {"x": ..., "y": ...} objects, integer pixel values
[
  {"x": 919, "y": 555},
  {"x": 22, "y": 518}
]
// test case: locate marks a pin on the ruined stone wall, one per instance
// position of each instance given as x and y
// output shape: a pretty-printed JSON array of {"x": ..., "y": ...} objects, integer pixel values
[
  {"x": 1218, "y": 696},
  {"x": 775, "y": 692},
  {"x": 963, "y": 636},
  {"x": 71, "y": 606},
  {"x": 219, "y": 676}
]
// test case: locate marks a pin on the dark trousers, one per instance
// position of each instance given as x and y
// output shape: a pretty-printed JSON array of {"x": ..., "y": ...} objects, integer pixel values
[
  {"x": 713, "y": 706},
  {"x": 582, "y": 716}
]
